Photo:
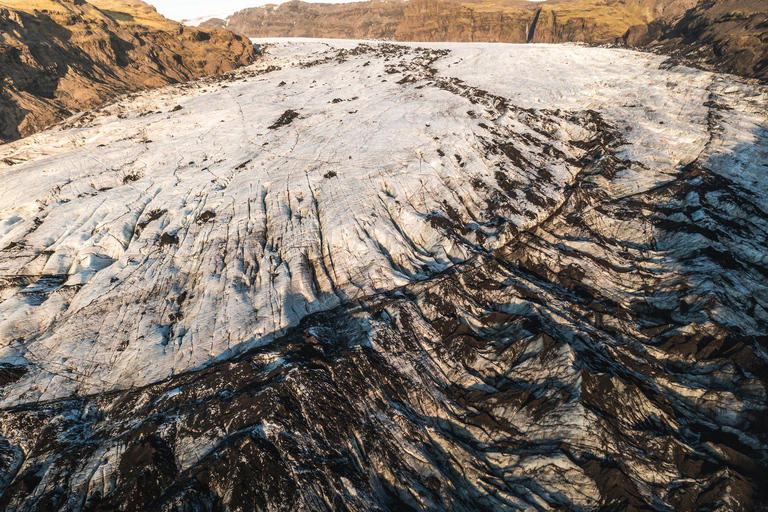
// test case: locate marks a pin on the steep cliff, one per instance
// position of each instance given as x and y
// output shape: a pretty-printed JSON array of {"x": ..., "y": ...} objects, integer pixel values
[
  {"x": 520, "y": 21},
  {"x": 60, "y": 56}
]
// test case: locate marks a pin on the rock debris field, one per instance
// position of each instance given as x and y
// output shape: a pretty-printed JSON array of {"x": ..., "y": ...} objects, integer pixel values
[{"x": 366, "y": 276}]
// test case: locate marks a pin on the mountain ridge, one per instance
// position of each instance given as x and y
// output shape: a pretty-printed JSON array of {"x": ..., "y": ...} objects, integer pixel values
[{"x": 451, "y": 20}]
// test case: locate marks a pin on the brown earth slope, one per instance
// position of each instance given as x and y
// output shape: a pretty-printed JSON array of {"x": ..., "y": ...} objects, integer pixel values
[
  {"x": 728, "y": 35},
  {"x": 60, "y": 56}
]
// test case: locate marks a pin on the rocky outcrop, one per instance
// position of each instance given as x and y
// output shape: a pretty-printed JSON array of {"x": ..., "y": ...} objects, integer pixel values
[
  {"x": 521, "y": 22},
  {"x": 441, "y": 20},
  {"x": 72, "y": 56},
  {"x": 729, "y": 35}
]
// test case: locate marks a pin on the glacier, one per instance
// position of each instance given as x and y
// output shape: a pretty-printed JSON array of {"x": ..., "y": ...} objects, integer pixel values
[{"x": 366, "y": 276}]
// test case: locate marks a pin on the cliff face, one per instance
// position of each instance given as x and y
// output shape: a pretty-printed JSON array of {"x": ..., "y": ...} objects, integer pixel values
[
  {"x": 62, "y": 56},
  {"x": 521, "y": 22},
  {"x": 441, "y": 20}
]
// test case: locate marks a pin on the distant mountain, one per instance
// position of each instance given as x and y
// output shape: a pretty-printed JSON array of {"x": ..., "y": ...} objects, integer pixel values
[
  {"x": 727, "y": 35},
  {"x": 60, "y": 56}
]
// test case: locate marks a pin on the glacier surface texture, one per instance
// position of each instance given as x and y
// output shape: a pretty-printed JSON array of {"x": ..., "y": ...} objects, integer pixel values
[{"x": 364, "y": 276}]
